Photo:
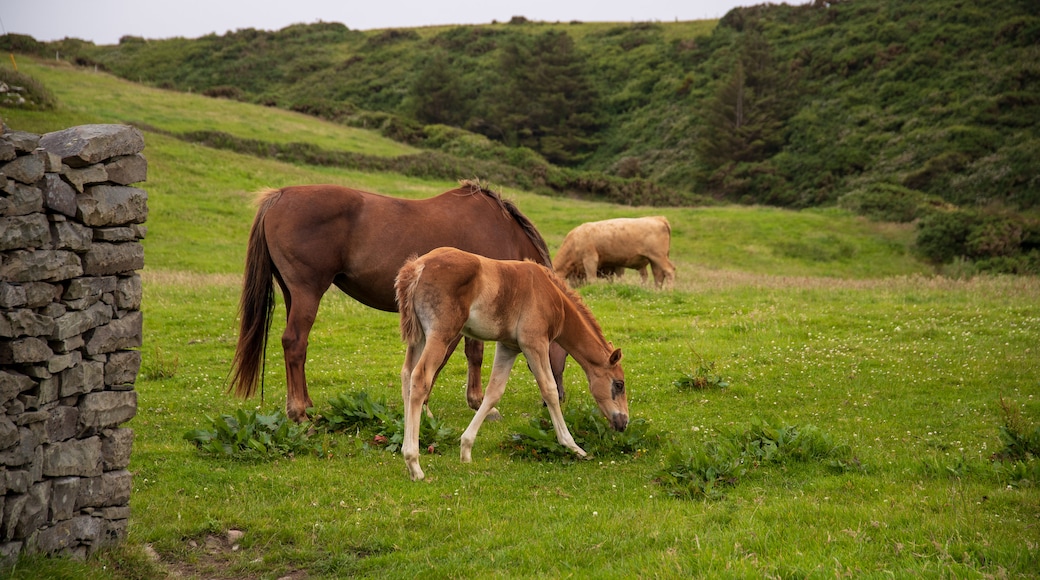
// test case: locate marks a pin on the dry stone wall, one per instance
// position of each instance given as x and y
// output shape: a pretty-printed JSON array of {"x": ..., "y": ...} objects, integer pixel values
[{"x": 71, "y": 227}]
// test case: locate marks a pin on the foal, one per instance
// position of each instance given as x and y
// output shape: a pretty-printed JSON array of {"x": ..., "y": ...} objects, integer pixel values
[{"x": 523, "y": 307}]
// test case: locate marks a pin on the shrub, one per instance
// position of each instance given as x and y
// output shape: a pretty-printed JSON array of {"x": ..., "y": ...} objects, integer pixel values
[
  {"x": 888, "y": 202},
  {"x": 225, "y": 92},
  {"x": 21, "y": 91},
  {"x": 942, "y": 236}
]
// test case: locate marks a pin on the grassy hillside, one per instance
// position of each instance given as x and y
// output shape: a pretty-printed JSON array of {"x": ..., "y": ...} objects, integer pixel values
[
  {"x": 907, "y": 391},
  {"x": 786, "y": 105}
]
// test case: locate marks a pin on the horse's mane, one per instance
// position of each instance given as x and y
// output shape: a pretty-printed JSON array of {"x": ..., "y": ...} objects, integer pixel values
[
  {"x": 473, "y": 187},
  {"x": 579, "y": 304}
]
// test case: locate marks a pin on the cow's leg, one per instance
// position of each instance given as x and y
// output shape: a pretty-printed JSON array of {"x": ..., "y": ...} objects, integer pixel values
[
  {"x": 591, "y": 263},
  {"x": 664, "y": 273}
]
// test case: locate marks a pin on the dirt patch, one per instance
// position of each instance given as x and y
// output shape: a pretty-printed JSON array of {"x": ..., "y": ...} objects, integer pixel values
[{"x": 213, "y": 557}]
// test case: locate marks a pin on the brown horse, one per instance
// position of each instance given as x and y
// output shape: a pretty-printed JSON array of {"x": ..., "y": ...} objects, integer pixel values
[
  {"x": 522, "y": 306},
  {"x": 313, "y": 236}
]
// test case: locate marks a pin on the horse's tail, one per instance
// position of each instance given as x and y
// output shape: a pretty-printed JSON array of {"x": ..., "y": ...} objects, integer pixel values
[
  {"x": 404, "y": 286},
  {"x": 256, "y": 306}
]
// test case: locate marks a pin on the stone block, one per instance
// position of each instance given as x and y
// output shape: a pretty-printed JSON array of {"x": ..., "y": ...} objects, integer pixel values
[
  {"x": 120, "y": 334},
  {"x": 13, "y": 383},
  {"x": 27, "y": 169},
  {"x": 106, "y": 409},
  {"x": 88, "y": 175},
  {"x": 86, "y": 377},
  {"x": 58, "y": 195},
  {"x": 60, "y": 362},
  {"x": 21, "y": 199},
  {"x": 116, "y": 445},
  {"x": 22, "y": 141},
  {"x": 24, "y": 350},
  {"x": 64, "y": 492},
  {"x": 87, "y": 144},
  {"x": 34, "y": 511},
  {"x": 79, "y": 321},
  {"x": 104, "y": 258},
  {"x": 112, "y": 205},
  {"x": 66, "y": 235},
  {"x": 13, "y": 506},
  {"x": 22, "y": 452},
  {"x": 12, "y": 295},
  {"x": 39, "y": 294},
  {"x": 111, "y": 488},
  {"x": 129, "y": 292},
  {"x": 24, "y": 231},
  {"x": 81, "y": 457},
  {"x": 63, "y": 423},
  {"x": 18, "y": 480},
  {"x": 122, "y": 367},
  {"x": 66, "y": 534},
  {"x": 24, "y": 322},
  {"x": 40, "y": 265},
  {"x": 8, "y": 432},
  {"x": 127, "y": 169}
]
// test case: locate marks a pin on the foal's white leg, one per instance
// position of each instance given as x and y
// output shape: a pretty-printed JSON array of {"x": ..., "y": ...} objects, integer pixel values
[
  {"x": 539, "y": 364},
  {"x": 504, "y": 359},
  {"x": 420, "y": 384}
]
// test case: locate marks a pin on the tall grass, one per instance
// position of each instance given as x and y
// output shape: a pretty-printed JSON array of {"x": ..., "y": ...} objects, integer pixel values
[{"x": 911, "y": 372}]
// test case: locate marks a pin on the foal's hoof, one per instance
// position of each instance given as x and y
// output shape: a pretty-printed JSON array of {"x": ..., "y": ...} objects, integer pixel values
[{"x": 493, "y": 415}]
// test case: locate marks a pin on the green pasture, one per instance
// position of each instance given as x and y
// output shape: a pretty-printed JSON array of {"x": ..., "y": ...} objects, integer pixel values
[{"x": 812, "y": 318}]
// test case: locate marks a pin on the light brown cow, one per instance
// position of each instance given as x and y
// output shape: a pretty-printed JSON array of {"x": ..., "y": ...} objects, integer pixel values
[{"x": 609, "y": 246}]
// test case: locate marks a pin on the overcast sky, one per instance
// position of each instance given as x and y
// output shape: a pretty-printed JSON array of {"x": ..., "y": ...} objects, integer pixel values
[{"x": 106, "y": 21}]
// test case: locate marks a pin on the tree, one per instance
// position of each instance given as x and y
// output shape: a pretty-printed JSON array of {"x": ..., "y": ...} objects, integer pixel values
[
  {"x": 744, "y": 121},
  {"x": 544, "y": 100},
  {"x": 437, "y": 93}
]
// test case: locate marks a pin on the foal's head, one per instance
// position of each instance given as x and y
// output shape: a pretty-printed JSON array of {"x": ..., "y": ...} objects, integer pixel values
[{"x": 607, "y": 383}]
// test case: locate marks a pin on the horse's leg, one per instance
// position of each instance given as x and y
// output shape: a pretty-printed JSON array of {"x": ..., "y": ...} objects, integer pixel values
[
  {"x": 419, "y": 387},
  {"x": 411, "y": 357},
  {"x": 538, "y": 361},
  {"x": 557, "y": 360},
  {"x": 474, "y": 392},
  {"x": 302, "y": 309},
  {"x": 504, "y": 359},
  {"x": 474, "y": 359}
]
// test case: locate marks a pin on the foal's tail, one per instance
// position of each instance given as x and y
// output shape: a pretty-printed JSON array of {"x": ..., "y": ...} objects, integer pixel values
[
  {"x": 256, "y": 305},
  {"x": 404, "y": 286}
]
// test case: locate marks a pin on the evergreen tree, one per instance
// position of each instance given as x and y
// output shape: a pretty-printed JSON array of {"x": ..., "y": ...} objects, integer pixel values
[
  {"x": 544, "y": 100},
  {"x": 437, "y": 94}
]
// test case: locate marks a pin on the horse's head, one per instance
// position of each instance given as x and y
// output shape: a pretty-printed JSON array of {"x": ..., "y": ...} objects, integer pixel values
[{"x": 607, "y": 383}]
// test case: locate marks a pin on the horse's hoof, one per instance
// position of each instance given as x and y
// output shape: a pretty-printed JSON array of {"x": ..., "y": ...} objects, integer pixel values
[{"x": 493, "y": 415}]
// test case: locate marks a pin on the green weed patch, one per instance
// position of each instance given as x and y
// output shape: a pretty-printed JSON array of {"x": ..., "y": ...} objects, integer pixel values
[
  {"x": 705, "y": 471},
  {"x": 252, "y": 435},
  {"x": 591, "y": 431}
]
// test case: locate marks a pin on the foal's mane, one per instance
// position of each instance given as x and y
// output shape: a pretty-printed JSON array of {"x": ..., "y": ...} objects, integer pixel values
[
  {"x": 473, "y": 187},
  {"x": 575, "y": 298}
]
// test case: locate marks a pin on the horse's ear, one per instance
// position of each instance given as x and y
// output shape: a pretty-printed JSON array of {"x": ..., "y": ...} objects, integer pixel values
[{"x": 615, "y": 357}]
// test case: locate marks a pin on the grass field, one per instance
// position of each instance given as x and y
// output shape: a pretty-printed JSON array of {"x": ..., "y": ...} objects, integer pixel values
[{"x": 813, "y": 318}]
